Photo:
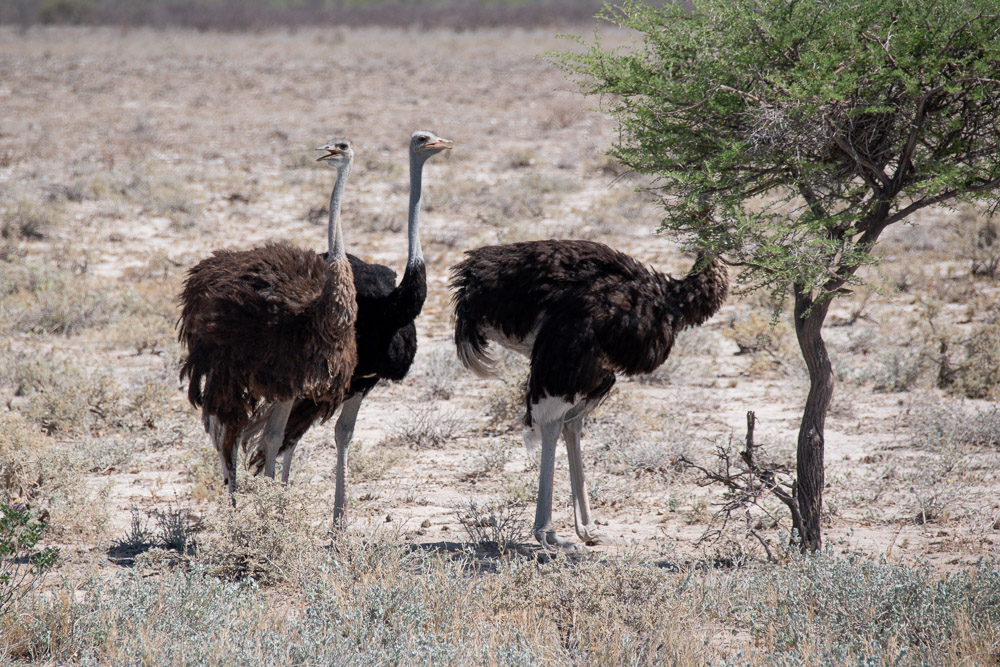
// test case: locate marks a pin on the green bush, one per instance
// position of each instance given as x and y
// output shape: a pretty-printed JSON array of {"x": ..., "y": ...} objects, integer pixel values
[{"x": 22, "y": 564}]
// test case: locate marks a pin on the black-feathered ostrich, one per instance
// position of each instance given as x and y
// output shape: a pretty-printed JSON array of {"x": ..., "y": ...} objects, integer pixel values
[
  {"x": 581, "y": 312},
  {"x": 386, "y": 335},
  {"x": 267, "y": 326}
]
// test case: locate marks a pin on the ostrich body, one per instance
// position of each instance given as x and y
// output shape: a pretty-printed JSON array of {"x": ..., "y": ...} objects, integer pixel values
[
  {"x": 581, "y": 312},
  {"x": 385, "y": 333},
  {"x": 267, "y": 326}
]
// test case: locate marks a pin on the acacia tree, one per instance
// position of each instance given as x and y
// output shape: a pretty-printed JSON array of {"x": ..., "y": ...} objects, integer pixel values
[{"x": 789, "y": 134}]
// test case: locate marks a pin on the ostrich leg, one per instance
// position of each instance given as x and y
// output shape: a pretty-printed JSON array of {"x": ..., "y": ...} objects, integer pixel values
[
  {"x": 343, "y": 432},
  {"x": 543, "y": 530},
  {"x": 227, "y": 452},
  {"x": 585, "y": 526},
  {"x": 274, "y": 434},
  {"x": 286, "y": 461}
]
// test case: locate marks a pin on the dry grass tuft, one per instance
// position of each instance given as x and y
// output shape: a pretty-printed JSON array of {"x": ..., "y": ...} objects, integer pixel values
[{"x": 265, "y": 536}]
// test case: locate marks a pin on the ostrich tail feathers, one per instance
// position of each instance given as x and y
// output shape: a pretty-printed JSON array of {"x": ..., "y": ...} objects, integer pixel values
[
  {"x": 476, "y": 359},
  {"x": 471, "y": 347}
]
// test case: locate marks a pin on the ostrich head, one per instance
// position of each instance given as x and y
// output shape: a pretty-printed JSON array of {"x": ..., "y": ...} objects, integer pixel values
[
  {"x": 339, "y": 153},
  {"x": 424, "y": 144}
]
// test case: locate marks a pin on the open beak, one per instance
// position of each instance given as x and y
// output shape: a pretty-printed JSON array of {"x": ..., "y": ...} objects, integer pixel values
[
  {"x": 440, "y": 143},
  {"x": 330, "y": 152}
]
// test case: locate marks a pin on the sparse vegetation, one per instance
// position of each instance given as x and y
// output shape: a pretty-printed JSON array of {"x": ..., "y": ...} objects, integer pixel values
[{"x": 148, "y": 173}]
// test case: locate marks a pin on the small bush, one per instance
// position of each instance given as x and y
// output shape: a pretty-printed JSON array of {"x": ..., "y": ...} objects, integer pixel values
[
  {"x": 264, "y": 537},
  {"x": 65, "y": 397},
  {"x": 21, "y": 443},
  {"x": 426, "y": 428},
  {"x": 494, "y": 525},
  {"x": 898, "y": 370},
  {"x": 860, "y": 610},
  {"x": 943, "y": 425},
  {"x": 367, "y": 464},
  {"x": 492, "y": 460},
  {"x": 22, "y": 564},
  {"x": 44, "y": 301},
  {"x": 29, "y": 221},
  {"x": 769, "y": 343},
  {"x": 979, "y": 375}
]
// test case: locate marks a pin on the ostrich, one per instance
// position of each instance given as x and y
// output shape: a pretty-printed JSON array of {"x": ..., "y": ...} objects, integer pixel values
[
  {"x": 581, "y": 312},
  {"x": 267, "y": 326},
  {"x": 386, "y": 336}
]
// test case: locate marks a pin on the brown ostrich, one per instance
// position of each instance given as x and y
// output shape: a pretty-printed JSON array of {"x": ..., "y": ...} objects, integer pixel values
[
  {"x": 267, "y": 326},
  {"x": 581, "y": 312}
]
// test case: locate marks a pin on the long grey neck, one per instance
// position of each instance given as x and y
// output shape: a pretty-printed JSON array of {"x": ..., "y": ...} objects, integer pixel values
[
  {"x": 413, "y": 227},
  {"x": 334, "y": 234}
]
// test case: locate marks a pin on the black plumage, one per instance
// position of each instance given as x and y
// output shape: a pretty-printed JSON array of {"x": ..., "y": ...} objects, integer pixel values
[
  {"x": 582, "y": 312},
  {"x": 386, "y": 341}
]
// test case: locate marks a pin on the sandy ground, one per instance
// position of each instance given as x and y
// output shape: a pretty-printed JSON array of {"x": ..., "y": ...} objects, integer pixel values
[{"x": 183, "y": 142}]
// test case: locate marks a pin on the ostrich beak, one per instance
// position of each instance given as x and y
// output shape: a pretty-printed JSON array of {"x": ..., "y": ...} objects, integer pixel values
[
  {"x": 331, "y": 152},
  {"x": 439, "y": 143}
]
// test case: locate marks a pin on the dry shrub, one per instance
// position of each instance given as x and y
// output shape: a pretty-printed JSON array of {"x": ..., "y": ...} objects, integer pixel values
[
  {"x": 897, "y": 370},
  {"x": 425, "y": 428},
  {"x": 977, "y": 239},
  {"x": 65, "y": 397},
  {"x": 147, "y": 405},
  {"x": 505, "y": 406},
  {"x": 21, "y": 443},
  {"x": 370, "y": 464},
  {"x": 144, "y": 333},
  {"x": 149, "y": 315},
  {"x": 204, "y": 471},
  {"x": 520, "y": 157},
  {"x": 609, "y": 612},
  {"x": 265, "y": 536},
  {"x": 49, "y": 476},
  {"x": 768, "y": 342},
  {"x": 494, "y": 525},
  {"x": 561, "y": 114},
  {"x": 62, "y": 395},
  {"x": 979, "y": 375},
  {"x": 43, "y": 300},
  {"x": 29, "y": 220},
  {"x": 438, "y": 370}
]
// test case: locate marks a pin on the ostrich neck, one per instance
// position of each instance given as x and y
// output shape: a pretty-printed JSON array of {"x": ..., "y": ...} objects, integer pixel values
[
  {"x": 415, "y": 255},
  {"x": 335, "y": 237}
]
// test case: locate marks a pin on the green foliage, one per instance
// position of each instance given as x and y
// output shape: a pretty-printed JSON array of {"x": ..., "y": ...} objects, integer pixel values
[
  {"x": 22, "y": 564},
  {"x": 788, "y": 134}
]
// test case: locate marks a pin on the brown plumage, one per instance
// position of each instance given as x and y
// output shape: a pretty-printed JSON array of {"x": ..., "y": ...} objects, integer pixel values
[
  {"x": 581, "y": 312},
  {"x": 267, "y": 326}
]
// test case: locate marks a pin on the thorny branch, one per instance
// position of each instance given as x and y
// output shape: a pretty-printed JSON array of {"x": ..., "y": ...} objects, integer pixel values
[{"x": 747, "y": 480}]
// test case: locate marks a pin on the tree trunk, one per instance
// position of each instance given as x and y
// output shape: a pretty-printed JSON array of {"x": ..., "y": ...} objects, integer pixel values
[{"x": 809, "y": 317}]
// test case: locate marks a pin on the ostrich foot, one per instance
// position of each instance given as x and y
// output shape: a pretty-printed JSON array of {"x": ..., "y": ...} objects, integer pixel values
[
  {"x": 552, "y": 542},
  {"x": 591, "y": 536}
]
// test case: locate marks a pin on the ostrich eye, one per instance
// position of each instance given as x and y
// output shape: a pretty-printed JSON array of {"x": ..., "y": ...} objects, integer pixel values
[
  {"x": 342, "y": 147},
  {"x": 422, "y": 139}
]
